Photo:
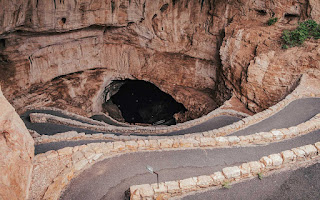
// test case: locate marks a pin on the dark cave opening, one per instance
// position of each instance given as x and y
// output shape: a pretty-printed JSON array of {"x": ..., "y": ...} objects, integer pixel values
[{"x": 141, "y": 102}]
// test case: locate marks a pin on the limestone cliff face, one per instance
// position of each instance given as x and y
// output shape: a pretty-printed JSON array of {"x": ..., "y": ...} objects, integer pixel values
[
  {"x": 254, "y": 65},
  {"x": 16, "y": 154},
  {"x": 173, "y": 44}
]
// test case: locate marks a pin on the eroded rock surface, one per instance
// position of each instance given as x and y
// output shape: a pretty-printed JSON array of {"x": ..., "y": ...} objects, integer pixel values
[
  {"x": 176, "y": 45},
  {"x": 16, "y": 154}
]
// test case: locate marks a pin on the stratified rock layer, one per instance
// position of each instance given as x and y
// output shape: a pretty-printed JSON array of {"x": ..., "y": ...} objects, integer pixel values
[{"x": 16, "y": 154}]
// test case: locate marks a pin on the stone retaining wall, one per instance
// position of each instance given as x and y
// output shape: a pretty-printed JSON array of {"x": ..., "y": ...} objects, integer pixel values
[
  {"x": 227, "y": 175},
  {"x": 77, "y": 158}
]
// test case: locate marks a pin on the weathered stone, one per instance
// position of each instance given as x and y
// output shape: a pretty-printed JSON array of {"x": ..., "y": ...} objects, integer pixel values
[
  {"x": 317, "y": 145},
  {"x": 245, "y": 170},
  {"x": 288, "y": 156},
  {"x": 276, "y": 159},
  {"x": 218, "y": 178},
  {"x": 81, "y": 164},
  {"x": 301, "y": 155},
  {"x": 256, "y": 167},
  {"x": 233, "y": 140},
  {"x": 188, "y": 184},
  {"x": 277, "y": 135},
  {"x": 173, "y": 186},
  {"x": 222, "y": 141},
  {"x": 146, "y": 190},
  {"x": 204, "y": 181},
  {"x": 16, "y": 153},
  {"x": 231, "y": 172},
  {"x": 131, "y": 145},
  {"x": 65, "y": 151},
  {"x": 161, "y": 188},
  {"x": 165, "y": 143},
  {"x": 118, "y": 146},
  {"x": 310, "y": 150},
  {"x": 266, "y": 161},
  {"x": 188, "y": 142},
  {"x": 207, "y": 142}
]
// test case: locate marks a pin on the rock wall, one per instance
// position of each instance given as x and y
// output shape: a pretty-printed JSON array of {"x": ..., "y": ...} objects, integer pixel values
[
  {"x": 172, "y": 44},
  {"x": 260, "y": 72},
  {"x": 16, "y": 154}
]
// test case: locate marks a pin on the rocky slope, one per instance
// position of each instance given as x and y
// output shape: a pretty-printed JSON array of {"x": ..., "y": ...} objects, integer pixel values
[
  {"x": 177, "y": 45},
  {"x": 16, "y": 154}
]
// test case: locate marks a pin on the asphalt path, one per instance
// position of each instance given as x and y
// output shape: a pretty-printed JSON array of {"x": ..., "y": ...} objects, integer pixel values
[
  {"x": 107, "y": 120},
  {"x": 300, "y": 184},
  {"x": 110, "y": 178},
  {"x": 42, "y": 148},
  {"x": 295, "y": 113}
]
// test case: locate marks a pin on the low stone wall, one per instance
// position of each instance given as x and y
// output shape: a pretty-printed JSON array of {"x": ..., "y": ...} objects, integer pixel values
[
  {"x": 47, "y": 118},
  {"x": 75, "y": 159},
  {"x": 165, "y": 190}
]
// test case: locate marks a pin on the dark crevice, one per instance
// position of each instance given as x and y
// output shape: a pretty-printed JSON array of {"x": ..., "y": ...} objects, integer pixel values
[
  {"x": 291, "y": 16},
  {"x": 262, "y": 12},
  {"x": 66, "y": 75},
  {"x": 2, "y": 43},
  {"x": 55, "y": 6},
  {"x": 113, "y": 6},
  {"x": 64, "y": 20},
  {"x": 164, "y": 7},
  {"x": 37, "y": 3}
]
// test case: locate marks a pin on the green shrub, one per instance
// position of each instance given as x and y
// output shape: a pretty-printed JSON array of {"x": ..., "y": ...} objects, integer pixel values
[
  {"x": 272, "y": 21},
  {"x": 305, "y": 30}
]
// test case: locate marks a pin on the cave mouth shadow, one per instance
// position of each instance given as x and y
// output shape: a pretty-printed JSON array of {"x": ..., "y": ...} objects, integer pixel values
[{"x": 137, "y": 101}]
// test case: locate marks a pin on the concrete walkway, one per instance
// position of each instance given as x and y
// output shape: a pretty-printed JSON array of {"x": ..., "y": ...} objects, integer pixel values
[
  {"x": 109, "y": 179},
  {"x": 298, "y": 184}
]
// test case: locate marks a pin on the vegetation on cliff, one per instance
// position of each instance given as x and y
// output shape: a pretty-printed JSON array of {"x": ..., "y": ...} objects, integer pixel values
[{"x": 305, "y": 30}]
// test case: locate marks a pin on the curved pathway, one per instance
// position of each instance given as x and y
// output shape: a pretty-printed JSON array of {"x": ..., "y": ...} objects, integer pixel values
[
  {"x": 295, "y": 113},
  {"x": 110, "y": 178},
  {"x": 297, "y": 184}
]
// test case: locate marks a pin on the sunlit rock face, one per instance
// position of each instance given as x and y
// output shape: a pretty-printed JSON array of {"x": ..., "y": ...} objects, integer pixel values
[
  {"x": 16, "y": 154},
  {"x": 172, "y": 44},
  {"x": 64, "y": 53}
]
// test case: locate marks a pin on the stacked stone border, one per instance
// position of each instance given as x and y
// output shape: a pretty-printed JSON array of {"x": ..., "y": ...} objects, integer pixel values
[
  {"x": 227, "y": 175},
  {"x": 84, "y": 156},
  {"x": 47, "y": 118}
]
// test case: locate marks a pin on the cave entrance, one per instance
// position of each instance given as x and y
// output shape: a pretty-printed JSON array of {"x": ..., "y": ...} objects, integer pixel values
[{"x": 136, "y": 101}]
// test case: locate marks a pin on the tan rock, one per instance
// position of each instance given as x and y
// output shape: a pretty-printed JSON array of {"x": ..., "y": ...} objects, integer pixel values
[
  {"x": 288, "y": 156},
  {"x": 310, "y": 150},
  {"x": 118, "y": 146},
  {"x": 173, "y": 186},
  {"x": 207, "y": 142},
  {"x": 276, "y": 159},
  {"x": 301, "y": 155},
  {"x": 317, "y": 145},
  {"x": 65, "y": 151},
  {"x": 204, "y": 181},
  {"x": 188, "y": 184},
  {"x": 165, "y": 143},
  {"x": 266, "y": 161},
  {"x": 256, "y": 167},
  {"x": 231, "y": 172},
  {"x": 131, "y": 145},
  {"x": 161, "y": 188},
  {"x": 245, "y": 170},
  {"x": 222, "y": 141},
  {"x": 146, "y": 190},
  {"x": 218, "y": 178},
  {"x": 16, "y": 153}
]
